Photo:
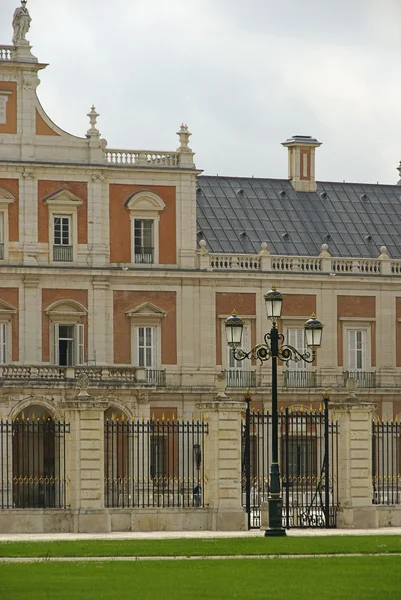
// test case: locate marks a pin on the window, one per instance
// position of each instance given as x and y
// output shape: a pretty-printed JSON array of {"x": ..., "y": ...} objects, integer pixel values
[
  {"x": 357, "y": 350},
  {"x": 296, "y": 338},
  {"x": 6, "y": 199},
  {"x": 158, "y": 456},
  {"x": 1, "y": 236},
  {"x": 68, "y": 344},
  {"x": 63, "y": 225},
  {"x": 143, "y": 241},
  {"x": 3, "y": 343},
  {"x": 62, "y": 243},
  {"x": 146, "y": 342},
  {"x": 144, "y": 209}
]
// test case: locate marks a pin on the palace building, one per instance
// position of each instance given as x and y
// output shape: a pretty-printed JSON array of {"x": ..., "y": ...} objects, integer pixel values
[{"x": 119, "y": 267}]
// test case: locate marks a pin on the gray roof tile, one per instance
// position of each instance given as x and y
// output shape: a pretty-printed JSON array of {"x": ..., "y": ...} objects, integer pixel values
[{"x": 348, "y": 212}]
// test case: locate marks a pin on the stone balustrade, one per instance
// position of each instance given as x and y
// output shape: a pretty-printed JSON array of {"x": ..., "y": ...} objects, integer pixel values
[
  {"x": 297, "y": 264},
  {"x": 6, "y": 52},
  {"x": 141, "y": 158},
  {"x": 52, "y": 374}
]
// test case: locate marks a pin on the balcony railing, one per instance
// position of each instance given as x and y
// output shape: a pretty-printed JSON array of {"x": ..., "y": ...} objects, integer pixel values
[
  {"x": 238, "y": 378},
  {"x": 6, "y": 52},
  {"x": 96, "y": 375},
  {"x": 156, "y": 377},
  {"x": 62, "y": 253},
  {"x": 364, "y": 379},
  {"x": 144, "y": 255},
  {"x": 141, "y": 158},
  {"x": 265, "y": 262},
  {"x": 299, "y": 379}
]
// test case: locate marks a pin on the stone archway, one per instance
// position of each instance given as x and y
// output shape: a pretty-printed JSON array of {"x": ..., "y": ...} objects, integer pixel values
[{"x": 35, "y": 448}]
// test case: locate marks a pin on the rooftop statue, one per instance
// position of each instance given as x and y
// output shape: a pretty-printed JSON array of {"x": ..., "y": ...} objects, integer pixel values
[{"x": 21, "y": 23}]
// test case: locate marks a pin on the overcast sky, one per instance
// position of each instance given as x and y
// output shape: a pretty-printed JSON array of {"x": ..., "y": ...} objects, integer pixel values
[{"x": 244, "y": 76}]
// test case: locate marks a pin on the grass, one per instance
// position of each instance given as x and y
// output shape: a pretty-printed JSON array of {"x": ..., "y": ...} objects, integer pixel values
[
  {"x": 388, "y": 544},
  {"x": 359, "y": 578}
]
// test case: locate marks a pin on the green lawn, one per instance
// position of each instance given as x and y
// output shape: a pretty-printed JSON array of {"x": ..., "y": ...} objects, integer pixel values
[
  {"x": 361, "y": 578},
  {"x": 207, "y": 547}
]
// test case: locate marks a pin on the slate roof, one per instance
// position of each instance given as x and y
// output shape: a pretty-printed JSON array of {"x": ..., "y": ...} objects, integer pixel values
[{"x": 236, "y": 214}]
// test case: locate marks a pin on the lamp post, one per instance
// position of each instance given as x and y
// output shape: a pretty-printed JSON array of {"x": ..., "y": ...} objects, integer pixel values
[{"x": 274, "y": 348}]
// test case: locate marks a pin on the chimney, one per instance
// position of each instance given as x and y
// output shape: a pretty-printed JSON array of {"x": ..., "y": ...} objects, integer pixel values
[{"x": 301, "y": 162}]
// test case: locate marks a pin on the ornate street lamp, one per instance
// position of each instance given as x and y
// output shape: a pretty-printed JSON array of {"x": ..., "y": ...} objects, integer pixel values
[{"x": 274, "y": 348}]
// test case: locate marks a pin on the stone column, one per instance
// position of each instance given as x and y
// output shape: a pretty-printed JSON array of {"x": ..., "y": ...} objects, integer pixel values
[
  {"x": 355, "y": 463},
  {"x": 85, "y": 463},
  {"x": 31, "y": 321},
  {"x": 223, "y": 470}
]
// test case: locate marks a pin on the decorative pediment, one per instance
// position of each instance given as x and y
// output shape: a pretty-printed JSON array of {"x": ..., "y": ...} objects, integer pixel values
[
  {"x": 147, "y": 310},
  {"x": 6, "y": 197},
  {"x": 66, "y": 308},
  {"x": 145, "y": 202},
  {"x": 63, "y": 199},
  {"x": 6, "y": 309}
]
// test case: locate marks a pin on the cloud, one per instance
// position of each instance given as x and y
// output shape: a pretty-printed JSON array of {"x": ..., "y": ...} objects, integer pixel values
[{"x": 245, "y": 76}]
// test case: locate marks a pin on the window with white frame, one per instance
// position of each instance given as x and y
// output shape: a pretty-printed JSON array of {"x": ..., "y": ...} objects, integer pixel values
[
  {"x": 143, "y": 241},
  {"x": 6, "y": 198},
  {"x": 146, "y": 321},
  {"x": 62, "y": 238},
  {"x": 68, "y": 344},
  {"x": 63, "y": 225},
  {"x": 1, "y": 235},
  {"x": 3, "y": 343},
  {"x": 296, "y": 337},
  {"x": 145, "y": 208},
  {"x": 67, "y": 332},
  {"x": 357, "y": 349},
  {"x": 146, "y": 347}
]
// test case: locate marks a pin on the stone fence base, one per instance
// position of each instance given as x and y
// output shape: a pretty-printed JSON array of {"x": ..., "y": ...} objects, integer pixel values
[
  {"x": 369, "y": 517},
  {"x": 113, "y": 520}
]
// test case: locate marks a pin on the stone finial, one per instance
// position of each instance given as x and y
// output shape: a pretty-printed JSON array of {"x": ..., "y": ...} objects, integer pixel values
[
  {"x": 202, "y": 247},
  {"x": 83, "y": 383},
  {"x": 184, "y": 135},
  {"x": 325, "y": 251},
  {"x": 93, "y": 115},
  {"x": 383, "y": 253},
  {"x": 221, "y": 385},
  {"x": 351, "y": 386},
  {"x": 263, "y": 249},
  {"x": 399, "y": 172}
]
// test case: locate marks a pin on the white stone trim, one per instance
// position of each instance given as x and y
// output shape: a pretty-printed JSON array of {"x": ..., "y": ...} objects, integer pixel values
[
  {"x": 145, "y": 205},
  {"x": 63, "y": 203}
]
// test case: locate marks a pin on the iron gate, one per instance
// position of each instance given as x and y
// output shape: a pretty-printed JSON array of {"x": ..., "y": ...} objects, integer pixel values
[{"x": 308, "y": 466}]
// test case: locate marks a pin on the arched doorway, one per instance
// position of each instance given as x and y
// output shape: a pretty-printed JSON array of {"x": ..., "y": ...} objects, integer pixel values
[{"x": 35, "y": 447}]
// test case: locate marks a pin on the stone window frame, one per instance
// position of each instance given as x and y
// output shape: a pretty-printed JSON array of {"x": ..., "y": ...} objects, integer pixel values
[
  {"x": 6, "y": 313},
  {"x": 67, "y": 312},
  {"x": 63, "y": 203},
  {"x": 354, "y": 324},
  {"x": 145, "y": 205},
  {"x": 298, "y": 323},
  {"x": 146, "y": 314},
  {"x": 6, "y": 198}
]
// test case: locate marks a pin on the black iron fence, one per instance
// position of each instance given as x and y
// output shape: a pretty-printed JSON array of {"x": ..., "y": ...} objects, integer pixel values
[
  {"x": 155, "y": 463},
  {"x": 33, "y": 463},
  {"x": 308, "y": 443},
  {"x": 386, "y": 462}
]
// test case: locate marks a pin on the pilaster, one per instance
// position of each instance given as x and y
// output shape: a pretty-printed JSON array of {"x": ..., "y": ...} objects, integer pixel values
[
  {"x": 223, "y": 463},
  {"x": 355, "y": 463}
]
